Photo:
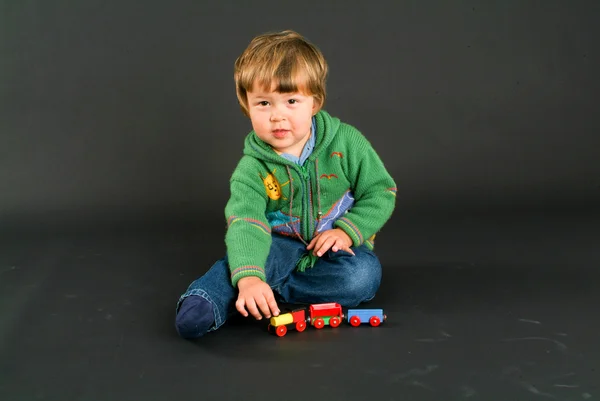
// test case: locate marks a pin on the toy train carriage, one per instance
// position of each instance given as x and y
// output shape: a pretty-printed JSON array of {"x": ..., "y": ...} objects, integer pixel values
[
  {"x": 320, "y": 315},
  {"x": 294, "y": 320},
  {"x": 374, "y": 317},
  {"x": 326, "y": 314}
]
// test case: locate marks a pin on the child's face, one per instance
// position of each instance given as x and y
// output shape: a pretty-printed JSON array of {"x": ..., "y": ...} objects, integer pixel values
[{"x": 283, "y": 120}]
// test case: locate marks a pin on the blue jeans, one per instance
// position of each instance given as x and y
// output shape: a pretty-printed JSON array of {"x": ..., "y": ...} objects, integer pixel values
[{"x": 336, "y": 277}]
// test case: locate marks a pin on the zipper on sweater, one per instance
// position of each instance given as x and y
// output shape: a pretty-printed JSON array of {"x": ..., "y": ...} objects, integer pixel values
[
  {"x": 309, "y": 201},
  {"x": 307, "y": 215}
]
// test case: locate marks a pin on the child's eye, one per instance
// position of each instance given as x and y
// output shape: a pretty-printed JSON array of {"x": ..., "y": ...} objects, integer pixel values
[
  {"x": 292, "y": 101},
  {"x": 263, "y": 103}
]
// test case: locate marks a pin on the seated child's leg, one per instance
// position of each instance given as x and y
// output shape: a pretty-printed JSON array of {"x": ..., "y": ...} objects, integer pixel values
[
  {"x": 283, "y": 256},
  {"x": 336, "y": 277},
  {"x": 207, "y": 302},
  {"x": 210, "y": 300}
]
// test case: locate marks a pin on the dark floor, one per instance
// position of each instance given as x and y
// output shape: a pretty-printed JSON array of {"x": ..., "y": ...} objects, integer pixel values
[{"x": 480, "y": 308}]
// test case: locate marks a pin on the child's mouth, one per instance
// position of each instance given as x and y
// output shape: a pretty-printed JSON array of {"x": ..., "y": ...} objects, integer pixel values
[{"x": 279, "y": 133}]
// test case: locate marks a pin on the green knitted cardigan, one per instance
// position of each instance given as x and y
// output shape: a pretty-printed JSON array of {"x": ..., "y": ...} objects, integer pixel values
[{"x": 343, "y": 184}]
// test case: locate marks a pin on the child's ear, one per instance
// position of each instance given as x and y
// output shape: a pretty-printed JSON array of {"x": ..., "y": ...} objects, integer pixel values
[{"x": 316, "y": 106}]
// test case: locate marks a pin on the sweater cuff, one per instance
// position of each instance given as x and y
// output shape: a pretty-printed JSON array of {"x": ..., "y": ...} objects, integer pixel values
[
  {"x": 247, "y": 271},
  {"x": 350, "y": 229}
]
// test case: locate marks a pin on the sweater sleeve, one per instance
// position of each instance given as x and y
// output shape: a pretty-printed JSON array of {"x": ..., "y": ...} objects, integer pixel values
[
  {"x": 374, "y": 192},
  {"x": 248, "y": 235}
]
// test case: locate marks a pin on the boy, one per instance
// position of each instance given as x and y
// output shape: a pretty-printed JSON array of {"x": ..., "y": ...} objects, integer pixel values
[{"x": 307, "y": 197}]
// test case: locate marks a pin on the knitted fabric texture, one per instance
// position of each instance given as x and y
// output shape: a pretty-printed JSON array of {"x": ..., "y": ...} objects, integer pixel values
[{"x": 343, "y": 184}]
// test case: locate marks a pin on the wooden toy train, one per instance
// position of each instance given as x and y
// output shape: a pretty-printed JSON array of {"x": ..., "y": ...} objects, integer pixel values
[{"x": 320, "y": 315}]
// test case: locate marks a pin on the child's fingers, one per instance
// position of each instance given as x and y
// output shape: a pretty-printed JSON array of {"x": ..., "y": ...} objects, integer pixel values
[
  {"x": 264, "y": 307},
  {"x": 319, "y": 241},
  {"x": 340, "y": 244},
  {"x": 267, "y": 304},
  {"x": 240, "y": 306},
  {"x": 274, "y": 307},
  {"x": 312, "y": 243},
  {"x": 252, "y": 309},
  {"x": 325, "y": 246},
  {"x": 272, "y": 303}
]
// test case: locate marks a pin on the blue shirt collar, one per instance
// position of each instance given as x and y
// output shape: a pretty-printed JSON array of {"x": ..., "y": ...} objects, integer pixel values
[{"x": 308, "y": 147}]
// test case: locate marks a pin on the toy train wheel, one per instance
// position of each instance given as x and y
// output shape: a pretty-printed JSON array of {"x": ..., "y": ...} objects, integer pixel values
[
  {"x": 374, "y": 321},
  {"x": 355, "y": 321},
  {"x": 335, "y": 321},
  {"x": 281, "y": 330},
  {"x": 300, "y": 326},
  {"x": 319, "y": 323}
]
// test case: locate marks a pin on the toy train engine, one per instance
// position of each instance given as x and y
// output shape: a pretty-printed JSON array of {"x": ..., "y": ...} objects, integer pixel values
[
  {"x": 294, "y": 320},
  {"x": 326, "y": 314},
  {"x": 374, "y": 317}
]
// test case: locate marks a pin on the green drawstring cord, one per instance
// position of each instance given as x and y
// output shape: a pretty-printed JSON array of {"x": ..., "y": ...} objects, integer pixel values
[{"x": 308, "y": 260}]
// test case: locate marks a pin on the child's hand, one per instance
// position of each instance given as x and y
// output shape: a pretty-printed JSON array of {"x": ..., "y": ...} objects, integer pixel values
[
  {"x": 255, "y": 294},
  {"x": 335, "y": 239}
]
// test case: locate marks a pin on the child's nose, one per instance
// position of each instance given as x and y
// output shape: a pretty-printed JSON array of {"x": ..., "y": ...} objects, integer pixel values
[
  {"x": 277, "y": 114},
  {"x": 276, "y": 117}
]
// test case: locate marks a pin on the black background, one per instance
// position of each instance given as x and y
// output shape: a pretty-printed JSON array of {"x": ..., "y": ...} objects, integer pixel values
[
  {"x": 119, "y": 129},
  {"x": 126, "y": 111}
]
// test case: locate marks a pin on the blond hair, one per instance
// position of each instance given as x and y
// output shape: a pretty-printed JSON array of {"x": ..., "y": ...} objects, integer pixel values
[{"x": 285, "y": 59}]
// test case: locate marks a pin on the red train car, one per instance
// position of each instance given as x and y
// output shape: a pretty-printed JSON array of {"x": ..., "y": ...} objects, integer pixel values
[{"x": 326, "y": 314}]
